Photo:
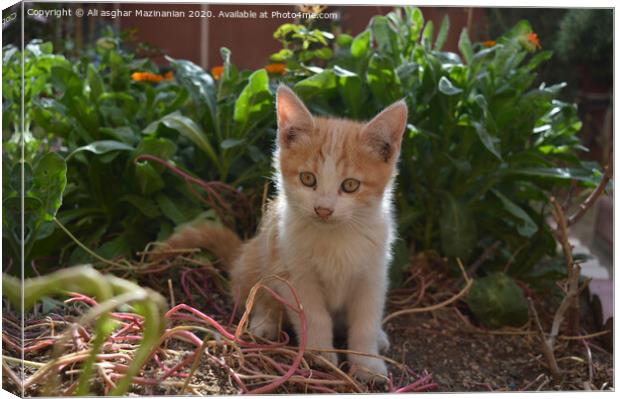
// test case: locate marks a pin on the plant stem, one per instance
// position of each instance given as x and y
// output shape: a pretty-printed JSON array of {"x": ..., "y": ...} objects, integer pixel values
[
  {"x": 587, "y": 204},
  {"x": 85, "y": 248}
]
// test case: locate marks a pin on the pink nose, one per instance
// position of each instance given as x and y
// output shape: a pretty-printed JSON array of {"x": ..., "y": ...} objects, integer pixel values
[{"x": 323, "y": 213}]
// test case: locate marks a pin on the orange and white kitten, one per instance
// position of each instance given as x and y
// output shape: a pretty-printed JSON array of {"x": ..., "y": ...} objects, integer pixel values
[{"x": 328, "y": 232}]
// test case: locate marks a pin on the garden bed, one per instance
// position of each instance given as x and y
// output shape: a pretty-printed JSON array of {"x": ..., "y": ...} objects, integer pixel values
[{"x": 439, "y": 350}]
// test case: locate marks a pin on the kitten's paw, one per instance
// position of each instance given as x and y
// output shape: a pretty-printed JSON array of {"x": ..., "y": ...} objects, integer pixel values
[
  {"x": 264, "y": 328},
  {"x": 383, "y": 342},
  {"x": 369, "y": 369},
  {"x": 330, "y": 357}
]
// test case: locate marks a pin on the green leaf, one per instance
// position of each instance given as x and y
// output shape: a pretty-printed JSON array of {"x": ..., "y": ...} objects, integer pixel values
[
  {"x": 522, "y": 28},
  {"x": 565, "y": 174},
  {"x": 538, "y": 59},
  {"x": 158, "y": 146},
  {"x": 102, "y": 147},
  {"x": 543, "y": 275},
  {"x": 415, "y": 23},
  {"x": 443, "y": 33},
  {"x": 48, "y": 184},
  {"x": 491, "y": 143},
  {"x": 457, "y": 229},
  {"x": 254, "y": 103},
  {"x": 383, "y": 80},
  {"x": 95, "y": 83},
  {"x": 385, "y": 36},
  {"x": 148, "y": 179},
  {"x": 230, "y": 143},
  {"x": 188, "y": 128},
  {"x": 427, "y": 33},
  {"x": 526, "y": 227},
  {"x": 351, "y": 89},
  {"x": 316, "y": 85},
  {"x": 198, "y": 82},
  {"x": 465, "y": 46},
  {"x": 147, "y": 206},
  {"x": 447, "y": 88},
  {"x": 281, "y": 56},
  {"x": 170, "y": 210},
  {"x": 124, "y": 134},
  {"x": 343, "y": 40},
  {"x": 497, "y": 301},
  {"x": 113, "y": 248},
  {"x": 361, "y": 44},
  {"x": 67, "y": 81},
  {"x": 148, "y": 173},
  {"x": 324, "y": 53}
]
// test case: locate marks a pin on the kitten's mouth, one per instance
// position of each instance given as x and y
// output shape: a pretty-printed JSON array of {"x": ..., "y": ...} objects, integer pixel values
[{"x": 325, "y": 221}]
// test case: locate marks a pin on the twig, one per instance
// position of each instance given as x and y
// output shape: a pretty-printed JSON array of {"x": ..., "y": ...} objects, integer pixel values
[
  {"x": 588, "y": 336},
  {"x": 545, "y": 382},
  {"x": 529, "y": 384},
  {"x": 589, "y": 357},
  {"x": 587, "y": 204},
  {"x": 171, "y": 291},
  {"x": 88, "y": 250},
  {"x": 562, "y": 234},
  {"x": 468, "y": 284},
  {"x": 488, "y": 252},
  {"x": 546, "y": 343}
]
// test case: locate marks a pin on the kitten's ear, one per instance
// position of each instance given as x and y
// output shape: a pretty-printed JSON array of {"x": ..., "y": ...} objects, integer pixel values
[
  {"x": 385, "y": 131},
  {"x": 293, "y": 116}
]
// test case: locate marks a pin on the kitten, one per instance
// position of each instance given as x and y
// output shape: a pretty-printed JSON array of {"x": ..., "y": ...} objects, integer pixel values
[{"x": 329, "y": 230}]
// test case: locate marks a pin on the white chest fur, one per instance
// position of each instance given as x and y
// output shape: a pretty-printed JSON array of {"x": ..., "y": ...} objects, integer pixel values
[{"x": 336, "y": 258}]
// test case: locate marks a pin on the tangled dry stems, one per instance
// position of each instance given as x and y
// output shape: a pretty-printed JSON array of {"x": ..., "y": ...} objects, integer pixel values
[{"x": 194, "y": 341}]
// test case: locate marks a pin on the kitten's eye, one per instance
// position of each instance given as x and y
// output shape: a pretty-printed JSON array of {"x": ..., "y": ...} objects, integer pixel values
[
  {"x": 307, "y": 179},
  {"x": 350, "y": 185}
]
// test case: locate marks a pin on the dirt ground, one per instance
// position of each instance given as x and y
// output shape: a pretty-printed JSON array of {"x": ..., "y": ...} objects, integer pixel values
[{"x": 462, "y": 359}]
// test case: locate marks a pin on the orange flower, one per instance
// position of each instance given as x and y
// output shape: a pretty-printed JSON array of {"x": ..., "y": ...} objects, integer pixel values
[
  {"x": 168, "y": 75},
  {"x": 533, "y": 38},
  {"x": 489, "y": 43},
  {"x": 278, "y": 68},
  {"x": 146, "y": 77},
  {"x": 217, "y": 72}
]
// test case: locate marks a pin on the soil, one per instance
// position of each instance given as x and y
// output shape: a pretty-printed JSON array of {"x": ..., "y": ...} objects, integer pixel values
[
  {"x": 462, "y": 359},
  {"x": 447, "y": 344}
]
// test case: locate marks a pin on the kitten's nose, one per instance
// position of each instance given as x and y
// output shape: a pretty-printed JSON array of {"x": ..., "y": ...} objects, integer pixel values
[{"x": 323, "y": 213}]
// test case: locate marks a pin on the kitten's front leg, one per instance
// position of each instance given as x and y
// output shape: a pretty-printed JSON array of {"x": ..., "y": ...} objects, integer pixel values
[
  {"x": 319, "y": 327},
  {"x": 364, "y": 314}
]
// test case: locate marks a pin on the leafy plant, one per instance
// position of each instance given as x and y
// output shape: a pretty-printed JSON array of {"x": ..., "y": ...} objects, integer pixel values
[
  {"x": 106, "y": 110},
  {"x": 234, "y": 121},
  {"x": 302, "y": 48},
  {"x": 95, "y": 112},
  {"x": 498, "y": 300}
]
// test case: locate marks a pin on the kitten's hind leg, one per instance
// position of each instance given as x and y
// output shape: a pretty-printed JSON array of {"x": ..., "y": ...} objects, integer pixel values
[
  {"x": 264, "y": 319},
  {"x": 383, "y": 341}
]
